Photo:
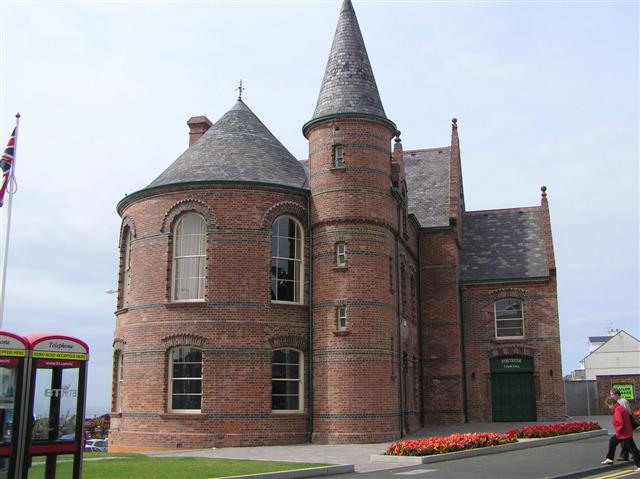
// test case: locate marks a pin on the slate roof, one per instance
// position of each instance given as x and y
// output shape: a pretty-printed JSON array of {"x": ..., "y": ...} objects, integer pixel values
[
  {"x": 599, "y": 339},
  {"x": 348, "y": 85},
  {"x": 238, "y": 147},
  {"x": 503, "y": 245},
  {"x": 427, "y": 174}
]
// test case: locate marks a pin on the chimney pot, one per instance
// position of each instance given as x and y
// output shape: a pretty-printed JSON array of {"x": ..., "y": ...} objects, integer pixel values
[{"x": 198, "y": 125}]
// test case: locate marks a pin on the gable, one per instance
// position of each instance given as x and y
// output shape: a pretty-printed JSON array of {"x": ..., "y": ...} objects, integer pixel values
[{"x": 428, "y": 176}]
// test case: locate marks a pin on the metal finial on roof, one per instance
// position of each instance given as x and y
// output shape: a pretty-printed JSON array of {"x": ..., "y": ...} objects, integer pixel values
[
  {"x": 240, "y": 90},
  {"x": 454, "y": 121},
  {"x": 544, "y": 191}
]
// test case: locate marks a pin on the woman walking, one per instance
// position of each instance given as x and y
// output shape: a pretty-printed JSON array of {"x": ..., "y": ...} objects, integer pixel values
[{"x": 624, "y": 433}]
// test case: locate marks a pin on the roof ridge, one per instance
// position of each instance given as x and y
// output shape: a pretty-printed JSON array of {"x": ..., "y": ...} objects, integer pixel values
[
  {"x": 515, "y": 208},
  {"x": 427, "y": 149}
]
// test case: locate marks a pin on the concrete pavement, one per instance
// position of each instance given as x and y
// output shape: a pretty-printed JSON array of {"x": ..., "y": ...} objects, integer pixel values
[{"x": 359, "y": 454}]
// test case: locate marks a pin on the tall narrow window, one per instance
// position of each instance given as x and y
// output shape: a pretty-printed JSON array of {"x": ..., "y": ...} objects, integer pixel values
[
  {"x": 286, "y": 382},
  {"x": 413, "y": 297},
  {"x": 286, "y": 260},
  {"x": 185, "y": 379},
  {"x": 126, "y": 269},
  {"x": 342, "y": 318},
  {"x": 189, "y": 258},
  {"x": 338, "y": 156},
  {"x": 341, "y": 254},
  {"x": 118, "y": 368},
  {"x": 509, "y": 318}
]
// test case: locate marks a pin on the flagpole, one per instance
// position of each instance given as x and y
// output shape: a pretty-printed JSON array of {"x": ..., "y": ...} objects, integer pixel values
[{"x": 10, "y": 192}]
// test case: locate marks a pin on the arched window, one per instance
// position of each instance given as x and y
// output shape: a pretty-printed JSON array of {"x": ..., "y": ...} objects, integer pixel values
[
  {"x": 118, "y": 368},
  {"x": 286, "y": 380},
  {"x": 286, "y": 260},
  {"x": 189, "y": 258},
  {"x": 185, "y": 379},
  {"x": 509, "y": 318},
  {"x": 126, "y": 268}
]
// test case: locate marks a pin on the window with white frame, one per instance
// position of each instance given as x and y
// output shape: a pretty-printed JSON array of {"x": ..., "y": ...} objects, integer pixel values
[
  {"x": 342, "y": 318},
  {"x": 286, "y": 260},
  {"x": 185, "y": 379},
  {"x": 341, "y": 254},
  {"x": 338, "y": 156},
  {"x": 189, "y": 258},
  {"x": 286, "y": 380},
  {"x": 126, "y": 268},
  {"x": 118, "y": 368},
  {"x": 509, "y": 318}
]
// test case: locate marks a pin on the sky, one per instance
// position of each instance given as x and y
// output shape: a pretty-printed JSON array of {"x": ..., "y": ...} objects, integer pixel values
[{"x": 546, "y": 93}]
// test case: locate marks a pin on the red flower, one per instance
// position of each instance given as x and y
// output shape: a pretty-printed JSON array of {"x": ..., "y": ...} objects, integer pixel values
[{"x": 444, "y": 444}]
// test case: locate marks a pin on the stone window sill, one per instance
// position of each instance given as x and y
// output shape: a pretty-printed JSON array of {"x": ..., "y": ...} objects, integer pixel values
[
  {"x": 340, "y": 268},
  {"x": 288, "y": 414},
  {"x": 115, "y": 414},
  {"x": 508, "y": 340},
  {"x": 184, "y": 304},
  {"x": 337, "y": 168},
  {"x": 287, "y": 304},
  {"x": 342, "y": 332},
  {"x": 121, "y": 311},
  {"x": 186, "y": 415}
]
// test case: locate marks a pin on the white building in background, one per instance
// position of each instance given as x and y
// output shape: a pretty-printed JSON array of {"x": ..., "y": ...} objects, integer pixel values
[{"x": 616, "y": 354}]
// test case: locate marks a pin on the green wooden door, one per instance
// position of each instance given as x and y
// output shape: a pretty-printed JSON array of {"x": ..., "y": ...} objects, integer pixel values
[{"x": 513, "y": 397}]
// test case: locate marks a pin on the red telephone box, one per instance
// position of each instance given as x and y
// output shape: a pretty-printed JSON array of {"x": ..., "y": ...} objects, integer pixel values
[
  {"x": 13, "y": 354},
  {"x": 57, "y": 376}
]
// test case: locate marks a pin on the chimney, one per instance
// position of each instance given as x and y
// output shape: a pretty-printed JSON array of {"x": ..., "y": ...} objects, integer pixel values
[{"x": 198, "y": 125}]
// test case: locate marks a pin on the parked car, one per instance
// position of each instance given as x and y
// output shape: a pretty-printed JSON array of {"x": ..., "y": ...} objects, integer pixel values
[{"x": 96, "y": 445}]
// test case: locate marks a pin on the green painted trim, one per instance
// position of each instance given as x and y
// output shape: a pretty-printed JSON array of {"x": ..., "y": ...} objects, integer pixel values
[
  {"x": 506, "y": 280},
  {"x": 143, "y": 192},
  {"x": 368, "y": 116}
]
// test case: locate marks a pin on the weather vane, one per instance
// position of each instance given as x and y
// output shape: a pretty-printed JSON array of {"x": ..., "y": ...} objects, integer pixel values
[{"x": 240, "y": 90}]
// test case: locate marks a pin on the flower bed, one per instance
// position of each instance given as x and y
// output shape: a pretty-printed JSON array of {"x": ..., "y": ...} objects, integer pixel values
[
  {"x": 443, "y": 444},
  {"x": 531, "y": 432}
]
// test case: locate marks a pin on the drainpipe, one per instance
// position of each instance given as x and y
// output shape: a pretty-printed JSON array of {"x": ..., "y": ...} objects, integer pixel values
[
  {"x": 399, "y": 318},
  {"x": 310, "y": 324},
  {"x": 464, "y": 362},
  {"x": 421, "y": 339}
]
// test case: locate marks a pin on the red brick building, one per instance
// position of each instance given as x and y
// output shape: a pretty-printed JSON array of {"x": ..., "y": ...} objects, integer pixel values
[{"x": 349, "y": 297}]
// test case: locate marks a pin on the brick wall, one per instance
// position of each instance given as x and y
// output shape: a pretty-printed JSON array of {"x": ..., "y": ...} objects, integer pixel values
[
  {"x": 441, "y": 332},
  {"x": 237, "y": 324},
  {"x": 358, "y": 372},
  {"x": 541, "y": 342}
]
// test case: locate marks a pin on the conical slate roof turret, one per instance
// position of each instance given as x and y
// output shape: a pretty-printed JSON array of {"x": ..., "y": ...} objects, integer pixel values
[
  {"x": 238, "y": 147},
  {"x": 348, "y": 85}
]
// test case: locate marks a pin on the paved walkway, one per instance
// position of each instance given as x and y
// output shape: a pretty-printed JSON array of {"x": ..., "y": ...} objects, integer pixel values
[{"x": 356, "y": 454}]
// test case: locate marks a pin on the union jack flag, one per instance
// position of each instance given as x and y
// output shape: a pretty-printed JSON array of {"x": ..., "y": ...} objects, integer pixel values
[{"x": 7, "y": 163}]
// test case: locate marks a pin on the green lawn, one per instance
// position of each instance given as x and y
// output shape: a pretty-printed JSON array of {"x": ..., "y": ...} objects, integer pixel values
[{"x": 139, "y": 466}]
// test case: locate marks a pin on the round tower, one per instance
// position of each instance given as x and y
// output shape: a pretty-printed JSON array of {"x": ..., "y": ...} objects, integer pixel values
[
  {"x": 354, "y": 219},
  {"x": 211, "y": 325}
]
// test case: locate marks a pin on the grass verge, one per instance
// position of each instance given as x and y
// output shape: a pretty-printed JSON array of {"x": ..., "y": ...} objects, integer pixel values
[{"x": 139, "y": 466}]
